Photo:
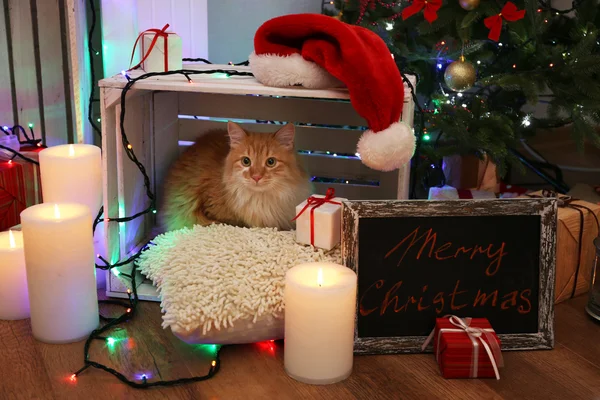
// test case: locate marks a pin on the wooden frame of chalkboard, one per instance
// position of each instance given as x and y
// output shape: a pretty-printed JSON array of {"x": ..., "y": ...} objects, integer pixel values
[{"x": 528, "y": 225}]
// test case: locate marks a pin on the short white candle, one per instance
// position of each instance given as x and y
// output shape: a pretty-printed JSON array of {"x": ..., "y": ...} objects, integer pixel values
[
  {"x": 14, "y": 302},
  {"x": 72, "y": 173},
  {"x": 59, "y": 257},
  {"x": 320, "y": 309}
]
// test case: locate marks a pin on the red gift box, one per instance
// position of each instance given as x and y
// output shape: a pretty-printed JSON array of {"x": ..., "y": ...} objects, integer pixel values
[
  {"x": 466, "y": 348},
  {"x": 20, "y": 186}
]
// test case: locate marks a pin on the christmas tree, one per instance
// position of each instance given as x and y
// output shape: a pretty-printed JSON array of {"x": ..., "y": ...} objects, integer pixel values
[{"x": 490, "y": 73}]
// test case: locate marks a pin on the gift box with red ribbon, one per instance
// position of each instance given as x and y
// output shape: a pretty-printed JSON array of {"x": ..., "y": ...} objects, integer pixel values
[
  {"x": 20, "y": 185},
  {"x": 466, "y": 348},
  {"x": 319, "y": 220},
  {"x": 161, "y": 51}
]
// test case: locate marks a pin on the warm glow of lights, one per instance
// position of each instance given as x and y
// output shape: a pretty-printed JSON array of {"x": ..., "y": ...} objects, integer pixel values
[
  {"x": 443, "y": 43},
  {"x": 11, "y": 239},
  {"x": 71, "y": 151},
  {"x": 129, "y": 146},
  {"x": 320, "y": 277},
  {"x": 214, "y": 363},
  {"x": 551, "y": 65},
  {"x": 56, "y": 211},
  {"x": 128, "y": 310},
  {"x": 73, "y": 378},
  {"x": 514, "y": 65},
  {"x": 10, "y": 161}
]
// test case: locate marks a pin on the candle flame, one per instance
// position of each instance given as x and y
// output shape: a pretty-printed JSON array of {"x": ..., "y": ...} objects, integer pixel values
[
  {"x": 56, "y": 211},
  {"x": 11, "y": 239},
  {"x": 71, "y": 151},
  {"x": 320, "y": 277}
]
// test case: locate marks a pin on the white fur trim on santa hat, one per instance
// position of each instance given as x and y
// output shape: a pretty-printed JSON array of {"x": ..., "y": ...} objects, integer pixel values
[
  {"x": 388, "y": 149},
  {"x": 292, "y": 70}
]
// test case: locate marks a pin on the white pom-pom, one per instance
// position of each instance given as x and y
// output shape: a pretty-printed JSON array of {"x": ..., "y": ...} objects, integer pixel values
[{"x": 388, "y": 149}]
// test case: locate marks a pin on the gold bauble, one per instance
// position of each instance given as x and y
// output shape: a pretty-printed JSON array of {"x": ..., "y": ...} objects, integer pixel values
[
  {"x": 460, "y": 75},
  {"x": 469, "y": 5}
]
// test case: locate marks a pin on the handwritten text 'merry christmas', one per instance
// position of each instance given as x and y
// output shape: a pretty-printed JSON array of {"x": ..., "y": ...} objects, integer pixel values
[
  {"x": 446, "y": 251},
  {"x": 378, "y": 298}
]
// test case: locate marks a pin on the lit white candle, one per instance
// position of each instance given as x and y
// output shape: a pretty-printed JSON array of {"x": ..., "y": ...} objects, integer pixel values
[
  {"x": 72, "y": 173},
  {"x": 59, "y": 257},
  {"x": 320, "y": 309},
  {"x": 14, "y": 302}
]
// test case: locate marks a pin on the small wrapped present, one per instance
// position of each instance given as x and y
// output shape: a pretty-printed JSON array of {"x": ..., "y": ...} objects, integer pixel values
[
  {"x": 450, "y": 193},
  {"x": 20, "y": 185},
  {"x": 319, "y": 220},
  {"x": 466, "y": 348},
  {"x": 576, "y": 230},
  {"x": 161, "y": 51}
]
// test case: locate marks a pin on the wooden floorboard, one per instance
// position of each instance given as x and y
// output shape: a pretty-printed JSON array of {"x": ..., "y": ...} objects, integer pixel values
[{"x": 33, "y": 370}]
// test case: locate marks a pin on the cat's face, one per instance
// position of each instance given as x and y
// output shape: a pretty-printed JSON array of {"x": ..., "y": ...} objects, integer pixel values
[{"x": 261, "y": 161}]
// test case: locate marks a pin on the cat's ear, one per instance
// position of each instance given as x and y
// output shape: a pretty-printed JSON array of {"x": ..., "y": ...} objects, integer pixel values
[
  {"x": 285, "y": 136},
  {"x": 237, "y": 134}
]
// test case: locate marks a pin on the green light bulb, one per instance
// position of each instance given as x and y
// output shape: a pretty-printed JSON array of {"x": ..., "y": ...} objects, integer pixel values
[
  {"x": 31, "y": 125},
  {"x": 426, "y": 138},
  {"x": 111, "y": 341}
]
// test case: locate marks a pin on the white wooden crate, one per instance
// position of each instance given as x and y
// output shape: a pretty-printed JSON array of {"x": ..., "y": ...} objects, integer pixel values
[{"x": 164, "y": 114}]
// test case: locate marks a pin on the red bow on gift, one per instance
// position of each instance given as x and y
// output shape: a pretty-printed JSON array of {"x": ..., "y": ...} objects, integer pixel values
[
  {"x": 494, "y": 23},
  {"x": 157, "y": 33},
  {"x": 431, "y": 9},
  {"x": 316, "y": 202}
]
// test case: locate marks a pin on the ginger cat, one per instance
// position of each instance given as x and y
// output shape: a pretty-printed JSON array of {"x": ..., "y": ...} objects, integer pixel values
[{"x": 236, "y": 177}]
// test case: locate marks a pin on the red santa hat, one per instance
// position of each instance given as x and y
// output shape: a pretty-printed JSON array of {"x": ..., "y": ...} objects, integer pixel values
[{"x": 319, "y": 52}]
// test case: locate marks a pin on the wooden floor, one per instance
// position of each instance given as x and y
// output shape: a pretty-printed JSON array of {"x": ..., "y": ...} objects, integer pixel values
[{"x": 32, "y": 370}]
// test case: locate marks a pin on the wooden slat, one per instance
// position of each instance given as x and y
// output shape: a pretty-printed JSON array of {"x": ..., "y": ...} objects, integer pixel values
[
  {"x": 28, "y": 105},
  {"x": 307, "y": 137},
  {"x": 51, "y": 61},
  {"x": 6, "y": 105},
  {"x": 164, "y": 139},
  {"x": 119, "y": 31},
  {"x": 334, "y": 167},
  {"x": 109, "y": 178},
  {"x": 218, "y": 83},
  {"x": 269, "y": 108},
  {"x": 132, "y": 193},
  {"x": 79, "y": 70},
  {"x": 198, "y": 14}
]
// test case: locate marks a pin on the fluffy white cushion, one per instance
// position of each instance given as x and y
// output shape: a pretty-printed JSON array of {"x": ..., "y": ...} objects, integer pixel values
[{"x": 222, "y": 284}]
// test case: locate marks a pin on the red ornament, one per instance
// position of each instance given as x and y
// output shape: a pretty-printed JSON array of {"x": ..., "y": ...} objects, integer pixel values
[
  {"x": 431, "y": 8},
  {"x": 494, "y": 23}
]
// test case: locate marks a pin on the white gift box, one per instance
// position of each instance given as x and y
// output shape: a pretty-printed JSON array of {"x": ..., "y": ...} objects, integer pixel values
[
  {"x": 450, "y": 193},
  {"x": 155, "y": 62},
  {"x": 327, "y": 223}
]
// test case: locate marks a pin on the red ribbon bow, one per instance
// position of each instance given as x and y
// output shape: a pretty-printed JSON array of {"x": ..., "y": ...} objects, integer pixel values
[
  {"x": 431, "y": 9},
  {"x": 494, "y": 23},
  {"x": 316, "y": 202},
  {"x": 157, "y": 33}
]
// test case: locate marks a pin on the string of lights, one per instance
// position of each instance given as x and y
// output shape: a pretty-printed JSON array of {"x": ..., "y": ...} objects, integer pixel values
[{"x": 130, "y": 307}]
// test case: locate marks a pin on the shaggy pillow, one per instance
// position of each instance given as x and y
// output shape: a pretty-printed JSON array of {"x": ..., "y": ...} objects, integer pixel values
[{"x": 221, "y": 284}]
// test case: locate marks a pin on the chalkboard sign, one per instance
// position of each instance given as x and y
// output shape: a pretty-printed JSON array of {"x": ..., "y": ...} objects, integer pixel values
[{"x": 418, "y": 260}]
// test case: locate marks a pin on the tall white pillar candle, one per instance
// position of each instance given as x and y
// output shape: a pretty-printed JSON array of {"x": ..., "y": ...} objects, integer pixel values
[
  {"x": 14, "y": 302},
  {"x": 59, "y": 257},
  {"x": 72, "y": 173},
  {"x": 320, "y": 308}
]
